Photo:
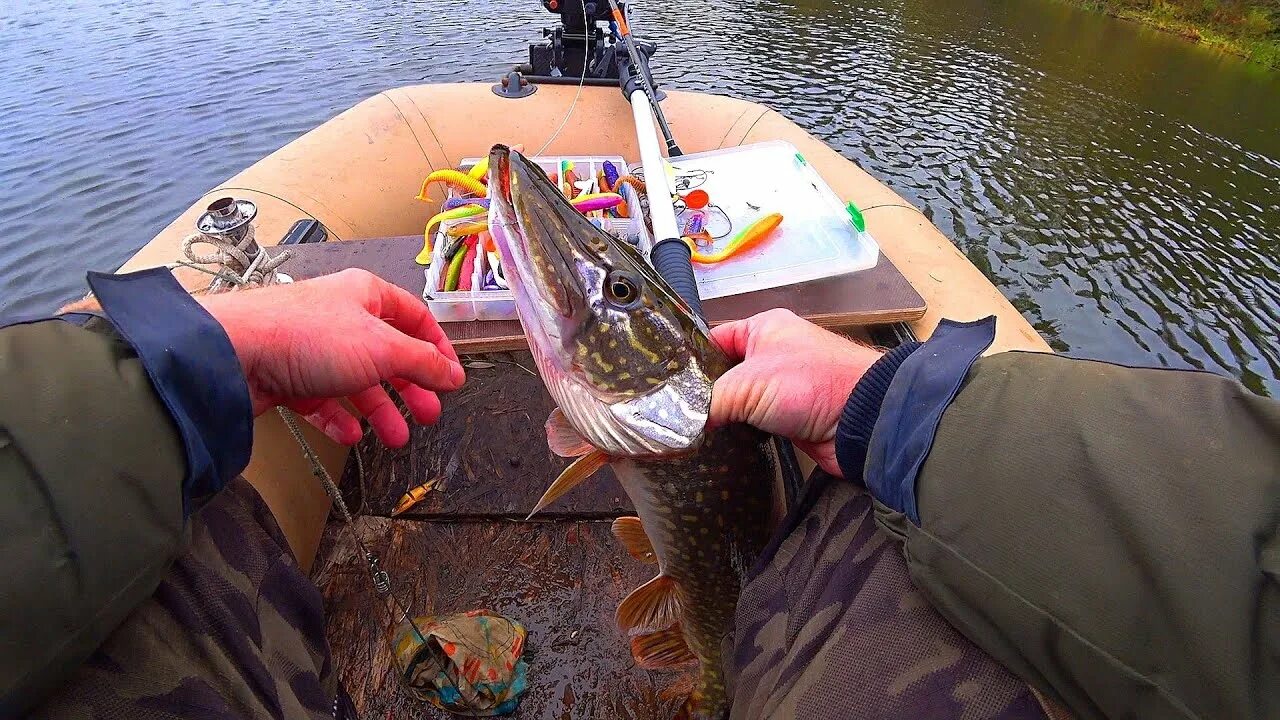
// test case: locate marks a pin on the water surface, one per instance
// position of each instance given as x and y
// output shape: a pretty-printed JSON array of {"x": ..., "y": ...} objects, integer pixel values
[{"x": 1119, "y": 185}]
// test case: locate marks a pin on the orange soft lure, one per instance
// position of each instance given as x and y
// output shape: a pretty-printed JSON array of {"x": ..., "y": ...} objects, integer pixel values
[{"x": 755, "y": 234}]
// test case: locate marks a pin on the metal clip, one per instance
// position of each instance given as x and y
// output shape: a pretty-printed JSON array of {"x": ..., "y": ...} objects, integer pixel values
[{"x": 381, "y": 580}]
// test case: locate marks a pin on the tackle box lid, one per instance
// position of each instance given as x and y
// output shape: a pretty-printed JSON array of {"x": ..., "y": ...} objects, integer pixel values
[{"x": 816, "y": 239}]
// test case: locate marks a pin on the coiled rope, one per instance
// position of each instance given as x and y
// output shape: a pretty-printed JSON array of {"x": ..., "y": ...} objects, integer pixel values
[{"x": 235, "y": 265}]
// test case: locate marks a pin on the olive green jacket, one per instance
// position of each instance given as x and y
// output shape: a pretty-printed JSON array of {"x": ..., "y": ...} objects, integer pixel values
[
  {"x": 1110, "y": 534},
  {"x": 91, "y": 506},
  {"x": 106, "y": 446}
]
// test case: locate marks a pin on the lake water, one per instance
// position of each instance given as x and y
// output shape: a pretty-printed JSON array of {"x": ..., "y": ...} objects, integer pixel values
[{"x": 1120, "y": 186}]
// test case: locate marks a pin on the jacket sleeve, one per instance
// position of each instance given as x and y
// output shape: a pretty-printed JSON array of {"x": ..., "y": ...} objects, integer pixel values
[
  {"x": 1108, "y": 533},
  {"x": 112, "y": 430}
]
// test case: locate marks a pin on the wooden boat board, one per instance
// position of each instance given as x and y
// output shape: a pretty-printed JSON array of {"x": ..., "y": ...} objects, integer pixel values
[
  {"x": 467, "y": 546},
  {"x": 876, "y": 296}
]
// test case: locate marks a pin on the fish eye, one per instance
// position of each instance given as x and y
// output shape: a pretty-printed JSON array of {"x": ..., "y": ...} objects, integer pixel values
[{"x": 622, "y": 288}]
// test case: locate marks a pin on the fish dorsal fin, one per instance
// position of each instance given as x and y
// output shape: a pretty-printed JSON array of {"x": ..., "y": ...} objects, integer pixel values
[
  {"x": 652, "y": 605},
  {"x": 563, "y": 439},
  {"x": 579, "y": 470},
  {"x": 631, "y": 534},
  {"x": 661, "y": 649}
]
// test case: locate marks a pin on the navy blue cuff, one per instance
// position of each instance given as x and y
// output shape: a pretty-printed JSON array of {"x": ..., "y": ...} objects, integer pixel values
[
  {"x": 925, "y": 384},
  {"x": 853, "y": 433},
  {"x": 193, "y": 369}
]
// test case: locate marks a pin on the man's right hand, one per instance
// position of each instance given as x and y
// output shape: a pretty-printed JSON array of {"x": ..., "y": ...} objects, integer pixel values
[{"x": 793, "y": 380}]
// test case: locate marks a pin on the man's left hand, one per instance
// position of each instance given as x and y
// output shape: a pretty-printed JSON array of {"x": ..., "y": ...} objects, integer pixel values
[{"x": 309, "y": 344}]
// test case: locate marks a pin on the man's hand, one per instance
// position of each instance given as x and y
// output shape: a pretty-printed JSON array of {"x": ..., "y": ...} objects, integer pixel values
[
  {"x": 793, "y": 380},
  {"x": 309, "y": 344}
]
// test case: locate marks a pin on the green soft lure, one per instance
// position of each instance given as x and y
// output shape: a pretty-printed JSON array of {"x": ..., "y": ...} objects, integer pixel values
[{"x": 455, "y": 271}]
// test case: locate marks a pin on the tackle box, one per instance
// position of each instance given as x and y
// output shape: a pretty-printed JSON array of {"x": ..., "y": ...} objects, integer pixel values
[
  {"x": 457, "y": 306},
  {"x": 818, "y": 236}
]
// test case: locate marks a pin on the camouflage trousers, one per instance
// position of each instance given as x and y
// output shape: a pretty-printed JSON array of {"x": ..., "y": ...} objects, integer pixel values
[
  {"x": 830, "y": 627},
  {"x": 235, "y": 630}
]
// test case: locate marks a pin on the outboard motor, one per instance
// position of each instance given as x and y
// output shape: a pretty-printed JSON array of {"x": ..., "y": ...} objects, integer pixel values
[{"x": 579, "y": 39}]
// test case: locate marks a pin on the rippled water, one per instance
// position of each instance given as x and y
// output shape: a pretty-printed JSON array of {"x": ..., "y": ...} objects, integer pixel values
[{"x": 1122, "y": 187}]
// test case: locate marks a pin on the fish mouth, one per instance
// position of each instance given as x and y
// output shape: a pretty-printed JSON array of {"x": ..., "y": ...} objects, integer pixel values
[
  {"x": 536, "y": 244},
  {"x": 555, "y": 277}
]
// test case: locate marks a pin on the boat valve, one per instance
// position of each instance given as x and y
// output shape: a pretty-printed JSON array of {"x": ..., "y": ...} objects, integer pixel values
[
  {"x": 232, "y": 221},
  {"x": 227, "y": 225}
]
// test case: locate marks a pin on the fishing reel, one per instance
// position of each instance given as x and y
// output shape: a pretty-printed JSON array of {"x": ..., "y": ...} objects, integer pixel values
[{"x": 583, "y": 37}]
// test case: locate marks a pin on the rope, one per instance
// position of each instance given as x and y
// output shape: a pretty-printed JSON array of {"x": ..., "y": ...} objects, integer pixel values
[
  {"x": 318, "y": 469},
  {"x": 233, "y": 257},
  {"x": 380, "y": 578}
]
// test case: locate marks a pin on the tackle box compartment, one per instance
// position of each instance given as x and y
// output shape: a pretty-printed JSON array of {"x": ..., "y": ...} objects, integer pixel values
[{"x": 456, "y": 306}]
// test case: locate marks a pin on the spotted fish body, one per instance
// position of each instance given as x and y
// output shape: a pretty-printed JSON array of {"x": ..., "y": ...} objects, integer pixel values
[
  {"x": 631, "y": 369},
  {"x": 708, "y": 517}
]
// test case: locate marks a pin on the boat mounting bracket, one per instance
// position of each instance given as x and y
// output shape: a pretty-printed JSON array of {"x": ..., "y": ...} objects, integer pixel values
[{"x": 514, "y": 86}]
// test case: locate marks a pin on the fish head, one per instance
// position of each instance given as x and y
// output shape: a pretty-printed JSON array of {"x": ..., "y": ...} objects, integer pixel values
[{"x": 625, "y": 358}]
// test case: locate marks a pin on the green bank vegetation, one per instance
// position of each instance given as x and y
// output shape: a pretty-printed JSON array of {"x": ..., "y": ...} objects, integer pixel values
[{"x": 1249, "y": 28}]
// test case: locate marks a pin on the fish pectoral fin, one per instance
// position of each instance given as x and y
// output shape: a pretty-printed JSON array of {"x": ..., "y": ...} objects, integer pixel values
[
  {"x": 579, "y": 470},
  {"x": 630, "y": 532},
  {"x": 652, "y": 605},
  {"x": 661, "y": 649},
  {"x": 563, "y": 439}
]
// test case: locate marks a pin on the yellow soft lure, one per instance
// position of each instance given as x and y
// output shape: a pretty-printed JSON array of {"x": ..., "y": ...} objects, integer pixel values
[{"x": 459, "y": 180}]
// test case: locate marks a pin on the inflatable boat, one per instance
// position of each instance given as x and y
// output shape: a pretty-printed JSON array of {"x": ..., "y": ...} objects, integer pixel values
[{"x": 357, "y": 176}]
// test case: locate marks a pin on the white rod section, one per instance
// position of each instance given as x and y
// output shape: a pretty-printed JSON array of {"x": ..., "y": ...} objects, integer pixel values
[{"x": 661, "y": 212}]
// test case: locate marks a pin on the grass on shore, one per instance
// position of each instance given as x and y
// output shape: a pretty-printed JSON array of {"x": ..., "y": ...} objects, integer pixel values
[{"x": 1248, "y": 28}]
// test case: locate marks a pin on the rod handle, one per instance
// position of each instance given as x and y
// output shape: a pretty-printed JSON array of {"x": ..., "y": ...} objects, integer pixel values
[{"x": 672, "y": 259}]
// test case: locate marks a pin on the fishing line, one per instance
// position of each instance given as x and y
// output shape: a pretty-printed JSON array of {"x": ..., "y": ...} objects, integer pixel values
[{"x": 581, "y": 81}]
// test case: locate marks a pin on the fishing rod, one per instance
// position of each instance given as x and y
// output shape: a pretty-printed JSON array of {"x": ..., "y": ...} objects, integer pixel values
[
  {"x": 642, "y": 76},
  {"x": 670, "y": 255}
]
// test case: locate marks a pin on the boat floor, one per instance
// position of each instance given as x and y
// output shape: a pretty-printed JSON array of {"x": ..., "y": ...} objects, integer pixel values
[{"x": 467, "y": 546}]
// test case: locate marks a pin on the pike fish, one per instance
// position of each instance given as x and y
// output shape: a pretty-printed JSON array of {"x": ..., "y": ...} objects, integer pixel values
[{"x": 631, "y": 369}]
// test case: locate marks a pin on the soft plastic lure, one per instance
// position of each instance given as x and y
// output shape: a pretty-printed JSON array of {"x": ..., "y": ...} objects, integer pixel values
[
  {"x": 457, "y": 202},
  {"x": 414, "y": 496},
  {"x": 455, "y": 214},
  {"x": 636, "y": 184},
  {"x": 583, "y": 203},
  {"x": 590, "y": 202},
  {"x": 610, "y": 174},
  {"x": 456, "y": 265},
  {"x": 469, "y": 265},
  {"x": 471, "y": 209},
  {"x": 456, "y": 179},
  {"x": 695, "y": 229},
  {"x": 752, "y": 236},
  {"x": 467, "y": 229}
]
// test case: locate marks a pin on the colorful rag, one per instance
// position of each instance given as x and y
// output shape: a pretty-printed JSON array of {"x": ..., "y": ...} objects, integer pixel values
[{"x": 469, "y": 663}]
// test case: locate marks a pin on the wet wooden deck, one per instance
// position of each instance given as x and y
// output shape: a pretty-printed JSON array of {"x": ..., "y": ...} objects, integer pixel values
[{"x": 467, "y": 546}]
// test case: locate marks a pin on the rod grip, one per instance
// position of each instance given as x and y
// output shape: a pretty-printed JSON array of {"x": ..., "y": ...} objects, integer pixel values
[{"x": 672, "y": 259}]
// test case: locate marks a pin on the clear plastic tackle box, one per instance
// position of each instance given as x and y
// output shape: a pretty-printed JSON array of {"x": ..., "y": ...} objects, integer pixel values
[{"x": 817, "y": 238}]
